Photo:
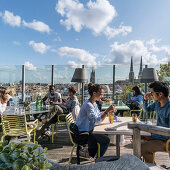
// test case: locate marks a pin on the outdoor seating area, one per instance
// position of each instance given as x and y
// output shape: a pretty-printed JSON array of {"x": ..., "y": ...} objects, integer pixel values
[{"x": 112, "y": 125}]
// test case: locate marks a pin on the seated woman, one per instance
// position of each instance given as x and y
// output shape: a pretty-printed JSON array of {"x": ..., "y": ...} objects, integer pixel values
[
  {"x": 3, "y": 99},
  {"x": 89, "y": 115},
  {"x": 136, "y": 99}
]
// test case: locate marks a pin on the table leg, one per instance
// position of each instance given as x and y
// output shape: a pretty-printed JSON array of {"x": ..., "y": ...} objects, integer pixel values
[
  {"x": 136, "y": 142},
  {"x": 118, "y": 145}
]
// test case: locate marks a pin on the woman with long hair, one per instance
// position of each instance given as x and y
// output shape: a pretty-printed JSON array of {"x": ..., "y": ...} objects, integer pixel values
[
  {"x": 136, "y": 99},
  {"x": 89, "y": 115},
  {"x": 3, "y": 99}
]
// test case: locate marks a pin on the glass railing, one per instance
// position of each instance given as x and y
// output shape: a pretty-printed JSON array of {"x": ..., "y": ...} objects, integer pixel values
[{"x": 38, "y": 79}]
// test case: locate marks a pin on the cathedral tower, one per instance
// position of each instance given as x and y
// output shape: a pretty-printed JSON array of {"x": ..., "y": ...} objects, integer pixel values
[
  {"x": 92, "y": 76},
  {"x": 141, "y": 68},
  {"x": 131, "y": 73}
]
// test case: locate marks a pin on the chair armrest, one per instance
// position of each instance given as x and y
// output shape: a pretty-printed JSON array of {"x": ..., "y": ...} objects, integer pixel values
[
  {"x": 84, "y": 133},
  {"x": 167, "y": 146}
]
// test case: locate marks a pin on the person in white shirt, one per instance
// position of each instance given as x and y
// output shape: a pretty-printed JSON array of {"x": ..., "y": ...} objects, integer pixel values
[
  {"x": 52, "y": 96},
  {"x": 50, "y": 118},
  {"x": 3, "y": 99}
]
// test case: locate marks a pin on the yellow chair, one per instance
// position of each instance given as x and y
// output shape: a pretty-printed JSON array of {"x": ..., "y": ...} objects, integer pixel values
[
  {"x": 167, "y": 150},
  {"x": 16, "y": 125},
  {"x": 69, "y": 120},
  {"x": 138, "y": 111},
  {"x": 59, "y": 122}
]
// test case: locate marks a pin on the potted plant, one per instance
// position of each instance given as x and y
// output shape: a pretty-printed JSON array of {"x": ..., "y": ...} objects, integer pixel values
[{"x": 23, "y": 156}]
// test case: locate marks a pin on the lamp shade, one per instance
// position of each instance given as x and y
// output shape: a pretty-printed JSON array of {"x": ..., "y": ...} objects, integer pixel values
[
  {"x": 80, "y": 75},
  {"x": 149, "y": 75}
]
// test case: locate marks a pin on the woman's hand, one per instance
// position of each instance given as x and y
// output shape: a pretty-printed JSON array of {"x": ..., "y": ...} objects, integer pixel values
[{"x": 112, "y": 108}]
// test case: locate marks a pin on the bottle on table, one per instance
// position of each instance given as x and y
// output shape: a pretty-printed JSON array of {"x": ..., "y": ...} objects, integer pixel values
[
  {"x": 41, "y": 103},
  {"x": 37, "y": 103}
]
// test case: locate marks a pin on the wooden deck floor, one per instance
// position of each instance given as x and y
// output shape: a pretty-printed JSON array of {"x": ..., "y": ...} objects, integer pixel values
[{"x": 60, "y": 150}]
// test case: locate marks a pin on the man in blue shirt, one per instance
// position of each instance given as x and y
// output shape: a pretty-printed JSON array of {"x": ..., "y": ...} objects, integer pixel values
[{"x": 159, "y": 91}]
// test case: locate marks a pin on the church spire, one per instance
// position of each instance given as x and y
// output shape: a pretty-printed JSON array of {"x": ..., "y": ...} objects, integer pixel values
[
  {"x": 131, "y": 73},
  {"x": 140, "y": 70},
  {"x": 131, "y": 65},
  {"x": 92, "y": 77}
]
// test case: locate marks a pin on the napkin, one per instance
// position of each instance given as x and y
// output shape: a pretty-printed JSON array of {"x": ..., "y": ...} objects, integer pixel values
[{"x": 116, "y": 119}]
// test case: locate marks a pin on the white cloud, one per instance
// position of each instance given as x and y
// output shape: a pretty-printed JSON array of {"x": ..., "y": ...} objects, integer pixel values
[
  {"x": 37, "y": 25},
  {"x": 95, "y": 15},
  {"x": 121, "y": 53},
  {"x": 39, "y": 47},
  {"x": 81, "y": 56},
  {"x": 156, "y": 49},
  {"x": 16, "y": 43},
  {"x": 29, "y": 66},
  {"x": 73, "y": 64},
  {"x": 112, "y": 32},
  {"x": 9, "y": 18}
]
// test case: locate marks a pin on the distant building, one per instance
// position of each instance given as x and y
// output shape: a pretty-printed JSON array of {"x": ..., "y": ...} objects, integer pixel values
[
  {"x": 131, "y": 73},
  {"x": 140, "y": 70},
  {"x": 92, "y": 76},
  {"x": 131, "y": 79}
]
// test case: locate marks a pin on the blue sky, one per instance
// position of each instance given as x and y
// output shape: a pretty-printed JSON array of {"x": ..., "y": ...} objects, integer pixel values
[{"x": 76, "y": 32}]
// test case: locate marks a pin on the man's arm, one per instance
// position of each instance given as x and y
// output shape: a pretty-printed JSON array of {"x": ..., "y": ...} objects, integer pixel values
[{"x": 45, "y": 98}]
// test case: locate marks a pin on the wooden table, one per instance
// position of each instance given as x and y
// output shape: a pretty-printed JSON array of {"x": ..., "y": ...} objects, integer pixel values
[{"x": 116, "y": 128}]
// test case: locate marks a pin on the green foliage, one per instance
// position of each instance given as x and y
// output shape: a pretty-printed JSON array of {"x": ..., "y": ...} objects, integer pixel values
[
  {"x": 22, "y": 156},
  {"x": 164, "y": 71}
]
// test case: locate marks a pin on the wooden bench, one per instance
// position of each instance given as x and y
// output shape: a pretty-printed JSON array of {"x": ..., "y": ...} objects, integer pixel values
[{"x": 137, "y": 127}]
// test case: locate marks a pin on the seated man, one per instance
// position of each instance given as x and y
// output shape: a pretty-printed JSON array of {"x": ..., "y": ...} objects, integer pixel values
[
  {"x": 159, "y": 92},
  {"x": 53, "y": 98},
  {"x": 58, "y": 109}
]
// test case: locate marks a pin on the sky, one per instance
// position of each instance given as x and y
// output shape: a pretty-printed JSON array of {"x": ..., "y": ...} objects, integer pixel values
[{"x": 89, "y": 32}]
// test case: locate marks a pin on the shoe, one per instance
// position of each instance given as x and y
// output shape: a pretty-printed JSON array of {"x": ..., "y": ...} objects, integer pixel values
[
  {"x": 91, "y": 159},
  {"x": 33, "y": 125},
  {"x": 39, "y": 126},
  {"x": 84, "y": 152},
  {"x": 15, "y": 139}
]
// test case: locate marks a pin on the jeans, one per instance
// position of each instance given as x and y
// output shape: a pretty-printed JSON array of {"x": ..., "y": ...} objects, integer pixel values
[{"x": 93, "y": 139}]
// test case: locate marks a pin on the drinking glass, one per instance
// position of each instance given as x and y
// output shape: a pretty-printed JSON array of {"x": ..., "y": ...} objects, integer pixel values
[
  {"x": 110, "y": 117},
  {"x": 108, "y": 100},
  {"x": 134, "y": 117}
]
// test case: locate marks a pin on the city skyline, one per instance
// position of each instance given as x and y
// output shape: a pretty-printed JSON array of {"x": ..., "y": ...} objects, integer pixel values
[
  {"x": 63, "y": 73},
  {"x": 76, "y": 32}
]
